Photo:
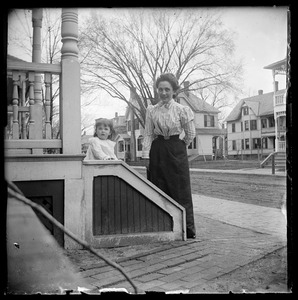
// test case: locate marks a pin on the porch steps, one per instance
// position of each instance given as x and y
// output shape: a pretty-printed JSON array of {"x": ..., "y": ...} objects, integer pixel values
[{"x": 280, "y": 162}]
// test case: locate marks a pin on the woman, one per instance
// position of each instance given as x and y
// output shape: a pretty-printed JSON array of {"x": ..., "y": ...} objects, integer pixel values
[{"x": 168, "y": 164}]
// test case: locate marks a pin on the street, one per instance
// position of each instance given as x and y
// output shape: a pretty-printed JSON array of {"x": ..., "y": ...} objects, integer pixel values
[
  {"x": 252, "y": 189},
  {"x": 248, "y": 188}
]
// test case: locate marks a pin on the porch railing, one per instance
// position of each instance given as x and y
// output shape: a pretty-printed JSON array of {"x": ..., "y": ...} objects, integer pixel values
[
  {"x": 20, "y": 135},
  {"x": 281, "y": 146}
]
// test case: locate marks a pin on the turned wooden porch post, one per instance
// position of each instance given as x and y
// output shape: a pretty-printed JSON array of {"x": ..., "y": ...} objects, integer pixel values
[
  {"x": 36, "y": 57},
  {"x": 70, "y": 100}
]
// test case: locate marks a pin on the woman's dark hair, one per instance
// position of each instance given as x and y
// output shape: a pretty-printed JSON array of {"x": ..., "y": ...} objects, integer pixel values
[
  {"x": 169, "y": 77},
  {"x": 107, "y": 122}
]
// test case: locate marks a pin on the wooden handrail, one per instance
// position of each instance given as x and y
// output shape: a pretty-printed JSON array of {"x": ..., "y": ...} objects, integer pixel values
[
  {"x": 33, "y": 67},
  {"x": 266, "y": 159}
]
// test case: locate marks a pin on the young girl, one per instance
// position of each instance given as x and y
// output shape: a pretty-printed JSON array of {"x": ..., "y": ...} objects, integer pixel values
[{"x": 101, "y": 147}]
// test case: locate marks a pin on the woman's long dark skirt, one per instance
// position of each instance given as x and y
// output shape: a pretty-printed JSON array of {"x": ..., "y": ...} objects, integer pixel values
[{"x": 169, "y": 170}]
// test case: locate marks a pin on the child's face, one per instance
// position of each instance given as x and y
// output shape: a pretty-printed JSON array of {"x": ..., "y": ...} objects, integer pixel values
[{"x": 103, "y": 131}]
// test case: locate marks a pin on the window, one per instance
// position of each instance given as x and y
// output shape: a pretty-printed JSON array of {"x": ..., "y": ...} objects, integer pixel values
[
  {"x": 264, "y": 123},
  {"x": 129, "y": 125},
  {"x": 253, "y": 124},
  {"x": 241, "y": 126},
  {"x": 246, "y": 143},
  {"x": 233, "y": 127},
  {"x": 120, "y": 146},
  {"x": 208, "y": 121},
  {"x": 245, "y": 110},
  {"x": 140, "y": 140},
  {"x": 242, "y": 144},
  {"x": 234, "y": 145},
  {"x": 271, "y": 122},
  {"x": 264, "y": 143},
  {"x": 137, "y": 124},
  {"x": 246, "y": 125},
  {"x": 256, "y": 143}
]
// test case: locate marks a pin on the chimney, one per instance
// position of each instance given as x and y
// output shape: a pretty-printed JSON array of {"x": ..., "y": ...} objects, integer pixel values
[
  {"x": 116, "y": 115},
  {"x": 275, "y": 86},
  {"x": 260, "y": 92},
  {"x": 186, "y": 87}
]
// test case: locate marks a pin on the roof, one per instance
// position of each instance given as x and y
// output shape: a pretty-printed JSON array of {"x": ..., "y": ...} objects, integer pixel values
[
  {"x": 123, "y": 136},
  {"x": 276, "y": 65},
  {"x": 261, "y": 105},
  {"x": 197, "y": 104}
]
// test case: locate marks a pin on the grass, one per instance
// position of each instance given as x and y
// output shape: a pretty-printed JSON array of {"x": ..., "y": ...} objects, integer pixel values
[{"x": 225, "y": 164}]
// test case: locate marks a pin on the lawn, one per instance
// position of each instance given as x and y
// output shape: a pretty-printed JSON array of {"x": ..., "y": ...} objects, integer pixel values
[{"x": 225, "y": 164}]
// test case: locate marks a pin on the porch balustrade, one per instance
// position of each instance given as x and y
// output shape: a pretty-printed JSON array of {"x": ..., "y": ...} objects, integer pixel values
[
  {"x": 281, "y": 146},
  {"x": 21, "y": 137}
]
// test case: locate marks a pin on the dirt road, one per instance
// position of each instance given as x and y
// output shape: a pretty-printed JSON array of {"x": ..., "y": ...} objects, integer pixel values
[
  {"x": 252, "y": 189},
  {"x": 248, "y": 188}
]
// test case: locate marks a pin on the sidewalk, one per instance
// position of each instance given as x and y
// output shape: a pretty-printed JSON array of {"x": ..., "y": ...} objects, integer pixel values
[{"x": 229, "y": 235}]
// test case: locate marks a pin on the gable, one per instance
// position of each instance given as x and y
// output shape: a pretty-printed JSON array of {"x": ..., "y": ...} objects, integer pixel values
[
  {"x": 259, "y": 104},
  {"x": 197, "y": 104},
  {"x": 235, "y": 114}
]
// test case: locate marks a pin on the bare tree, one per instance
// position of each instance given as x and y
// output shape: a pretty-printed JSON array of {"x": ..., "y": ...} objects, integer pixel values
[{"x": 132, "y": 50}]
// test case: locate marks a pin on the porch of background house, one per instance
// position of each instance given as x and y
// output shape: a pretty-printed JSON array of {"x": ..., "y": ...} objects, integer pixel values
[{"x": 277, "y": 159}]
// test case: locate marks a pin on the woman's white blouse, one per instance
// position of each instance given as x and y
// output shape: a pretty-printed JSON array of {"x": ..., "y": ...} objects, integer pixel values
[
  {"x": 168, "y": 119},
  {"x": 100, "y": 149}
]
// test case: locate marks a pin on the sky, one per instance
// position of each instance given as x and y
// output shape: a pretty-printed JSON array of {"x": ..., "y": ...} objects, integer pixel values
[{"x": 260, "y": 40}]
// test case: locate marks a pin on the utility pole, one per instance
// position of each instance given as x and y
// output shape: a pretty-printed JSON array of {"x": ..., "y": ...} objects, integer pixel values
[
  {"x": 51, "y": 85},
  {"x": 133, "y": 153}
]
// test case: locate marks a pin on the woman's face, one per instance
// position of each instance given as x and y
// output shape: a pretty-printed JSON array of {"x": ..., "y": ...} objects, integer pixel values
[{"x": 165, "y": 91}]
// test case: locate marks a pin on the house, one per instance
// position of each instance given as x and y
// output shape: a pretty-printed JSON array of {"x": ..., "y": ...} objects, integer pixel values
[
  {"x": 279, "y": 104},
  {"x": 251, "y": 126},
  {"x": 104, "y": 203},
  {"x": 256, "y": 125},
  {"x": 129, "y": 140},
  {"x": 122, "y": 139},
  {"x": 209, "y": 136}
]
